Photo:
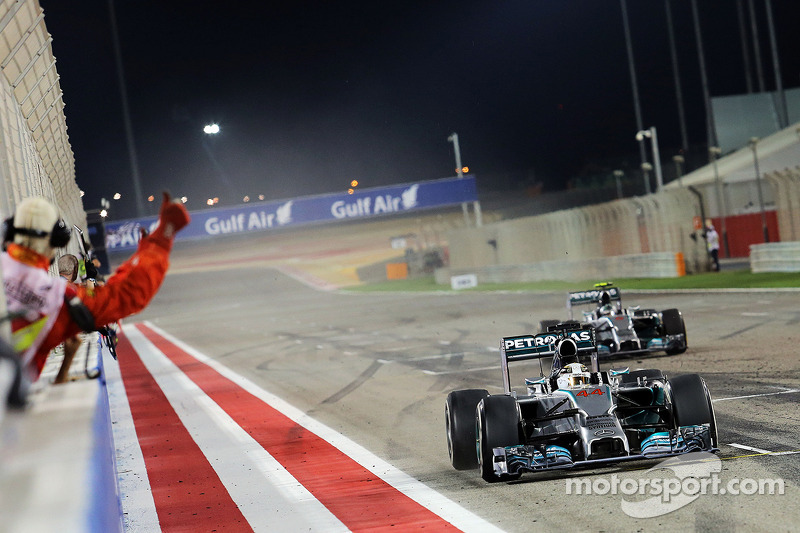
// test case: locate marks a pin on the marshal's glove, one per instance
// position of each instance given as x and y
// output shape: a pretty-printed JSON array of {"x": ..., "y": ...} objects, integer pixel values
[{"x": 172, "y": 217}]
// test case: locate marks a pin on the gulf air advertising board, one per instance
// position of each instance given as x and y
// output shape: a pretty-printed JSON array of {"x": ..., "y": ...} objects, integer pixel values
[{"x": 266, "y": 216}]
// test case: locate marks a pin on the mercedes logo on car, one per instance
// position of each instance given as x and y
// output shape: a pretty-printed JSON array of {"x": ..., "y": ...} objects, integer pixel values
[{"x": 603, "y": 432}]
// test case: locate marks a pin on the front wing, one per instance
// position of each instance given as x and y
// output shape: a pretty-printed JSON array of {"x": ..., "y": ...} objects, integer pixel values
[
  {"x": 656, "y": 344},
  {"x": 527, "y": 458}
]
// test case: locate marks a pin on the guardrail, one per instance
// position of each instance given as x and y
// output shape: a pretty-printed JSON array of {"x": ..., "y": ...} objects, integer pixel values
[
  {"x": 786, "y": 184},
  {"x": 775, "y": 257},
  {"x": 35, "y": 154},
  {"x": 652, "y": 265},
  {"x": 656, "y": 223}
]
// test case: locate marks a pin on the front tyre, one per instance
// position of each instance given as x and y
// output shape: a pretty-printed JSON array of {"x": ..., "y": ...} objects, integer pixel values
[
  {"x": 498, "y": 426},
  {"x": 459, "y": 415},
  {"x": 673, "y": 324},
  {"x": 691, "y": 404}
]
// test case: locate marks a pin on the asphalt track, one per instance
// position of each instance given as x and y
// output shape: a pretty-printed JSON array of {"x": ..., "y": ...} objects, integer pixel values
[{"x": 264, "y": 398}]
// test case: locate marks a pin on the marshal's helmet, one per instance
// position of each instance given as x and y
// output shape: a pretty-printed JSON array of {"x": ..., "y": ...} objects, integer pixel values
[{"x": 37, "y": 226}]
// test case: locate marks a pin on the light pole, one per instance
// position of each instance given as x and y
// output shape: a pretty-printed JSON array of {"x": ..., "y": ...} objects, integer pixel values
[
  {"x": 211, "y": 130},
  {"x": 679, "y": 161},
  {"x": 126, "y": 115},
  {"x": 646, "y": 168},
  {"x": 618, "y": 174},
  {"x": 754, "y": 147},
  {"x": 634, "y": 85},
  {"x": 453, "y": 138},
  {"x": 714, "y": 152},
  {"x": 651, "y": 134}
]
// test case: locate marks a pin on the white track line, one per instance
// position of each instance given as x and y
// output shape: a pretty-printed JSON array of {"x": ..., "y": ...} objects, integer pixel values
[
  {"x": 755, "y": 395},
  {"x": 748, "y": 448},
  {"x": 136, "y": 497},
  {"x": 448, "y": 372}
]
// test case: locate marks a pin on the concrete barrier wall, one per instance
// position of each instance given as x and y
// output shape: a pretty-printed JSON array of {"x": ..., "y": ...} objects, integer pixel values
[
  {"x": 775, "y": 257},
  {"x": 635, "y": 227},
  {"x": 786, "y": 184},
  {"x": 652, "y": 265}
]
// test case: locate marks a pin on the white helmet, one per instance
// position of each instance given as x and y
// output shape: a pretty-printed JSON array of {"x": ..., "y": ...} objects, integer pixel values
[
  {"x": 37, "y": 226},
  {"x": 572, "y": 375}
]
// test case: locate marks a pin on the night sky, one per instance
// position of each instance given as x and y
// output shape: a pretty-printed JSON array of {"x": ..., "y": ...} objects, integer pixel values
[{"x": 310, "y": 95}]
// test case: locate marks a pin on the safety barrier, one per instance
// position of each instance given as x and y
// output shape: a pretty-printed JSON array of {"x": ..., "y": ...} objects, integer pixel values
[
  {"x": 775, "y": 257},
  {"x": 635, "y": 227},
  {"x": 652, "y": 265},
  {"x": 35, "y": 154},
  {"x": 786, "y": 184}
]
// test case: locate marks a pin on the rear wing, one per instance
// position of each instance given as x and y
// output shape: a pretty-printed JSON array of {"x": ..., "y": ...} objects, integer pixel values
[
  {"x": 593, "y": 297},
  {"x": 549, "y": 344}
]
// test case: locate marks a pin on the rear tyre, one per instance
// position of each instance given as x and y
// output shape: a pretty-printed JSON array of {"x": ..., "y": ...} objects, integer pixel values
[
  {"x": 459, "y": 417},
  {"x": 672, "y": 322},
  {"x": 691, "y": 404},
  {"x": 498, "y": 426}
]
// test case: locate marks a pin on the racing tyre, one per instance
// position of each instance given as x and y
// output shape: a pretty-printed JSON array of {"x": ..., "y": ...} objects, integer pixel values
[
  {"x": 459, "y": 419},
  {"x": 672, "y": 322},
  {"x": 691, "y": 404},
  {"x": 544, "y": 324},
  {"x": 632, "y": 378},
  {"x": 498, "y": 426}
]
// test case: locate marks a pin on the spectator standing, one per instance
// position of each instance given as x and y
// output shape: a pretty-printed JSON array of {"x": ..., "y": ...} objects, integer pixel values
[{"x": 712, "y": 242}]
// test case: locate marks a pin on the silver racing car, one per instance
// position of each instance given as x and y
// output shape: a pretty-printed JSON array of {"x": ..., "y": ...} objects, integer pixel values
[
  {"x": 626, "y": 330},
  {"x": 575, "y": 416}
]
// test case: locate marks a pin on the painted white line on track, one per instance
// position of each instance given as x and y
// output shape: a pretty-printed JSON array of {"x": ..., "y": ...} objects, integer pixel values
[
  {"x": 413, "y": 488},
  {"x": 790, "y": 452},
  {"x": 755, "y": 314},
  {"x": 439, "y": 356},
  {"x": 755, "y": 395},
  {"x": 262, "y": 489},
  {"x": 448, "y": 372},
  {"x": 309, "y": 280},
  {"x": 136, "y": 497},
  {"x": 748, "y": 448}
]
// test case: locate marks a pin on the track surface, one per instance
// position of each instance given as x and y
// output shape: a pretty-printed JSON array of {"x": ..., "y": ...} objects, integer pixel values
[{"x": 377, "y": 368}]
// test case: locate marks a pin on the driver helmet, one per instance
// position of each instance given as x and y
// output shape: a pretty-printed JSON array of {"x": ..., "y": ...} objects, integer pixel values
[
  {"x": 606, "y": 307},
  {"x": 573, "y": 375}
]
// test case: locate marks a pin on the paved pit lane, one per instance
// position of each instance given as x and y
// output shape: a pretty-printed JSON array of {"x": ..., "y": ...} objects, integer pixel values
[{"x": 377, "y": 368}]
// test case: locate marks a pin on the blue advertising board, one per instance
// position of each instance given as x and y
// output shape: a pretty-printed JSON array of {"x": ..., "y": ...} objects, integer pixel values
[{"x": 265, "y": 216}]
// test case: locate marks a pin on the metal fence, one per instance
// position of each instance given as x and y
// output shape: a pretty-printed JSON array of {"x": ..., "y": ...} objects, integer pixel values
[{"x": 35, "y": 154}]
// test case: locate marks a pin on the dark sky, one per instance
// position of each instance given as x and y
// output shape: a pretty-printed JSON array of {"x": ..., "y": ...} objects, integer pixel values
[{"x": 310, "y": 95}]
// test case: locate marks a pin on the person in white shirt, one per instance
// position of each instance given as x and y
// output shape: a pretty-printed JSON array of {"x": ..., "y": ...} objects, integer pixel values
[{"x": 712, "y": 242}]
